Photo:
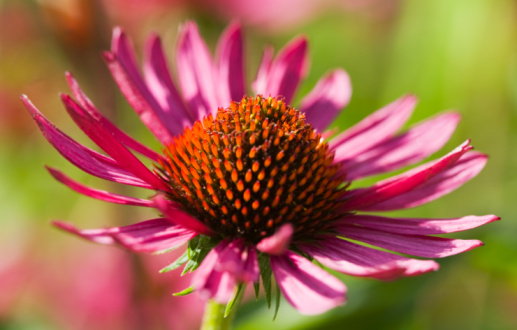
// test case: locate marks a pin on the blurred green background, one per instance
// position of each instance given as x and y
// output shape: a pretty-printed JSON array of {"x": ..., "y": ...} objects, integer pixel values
[{"x": 453, "y": 54}]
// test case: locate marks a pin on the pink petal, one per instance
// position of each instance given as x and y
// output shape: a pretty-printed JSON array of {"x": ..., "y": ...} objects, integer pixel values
[
  {"x": 87, "y": 105},
  {"x": 111, "y": 145},
  {"x": 369, "y": 198},
  {"x": 98, "y": 194},
  {"x": 162, "y": 87},
  {"x": 179, "y": 217},
  {"x": 82, "y": 157},
  {"x": 212, "y": 283},
  {"x": 377, "y": 127},
  {"x": 468, "y": 166},
  {"x": 307, "y": 287},
  {"x": 324, "y": 103},
  {"x": 259, "y": 85},
  {"x": 147, "y": 236},
  {"x": 357, "y": 260},
  {"x": 196, "y": 72},
  {"x": 230, "y": 69},
  {"x": 240, "y": 260},
  {"x": 122, "y": 64},
  {"x": 287, "y": 70},
  {"x": 417, "y": 245},
  {"x": 277, "y": 243},
  {"x": 411, "y": 147},
  {"x": 413, "y": 226}
]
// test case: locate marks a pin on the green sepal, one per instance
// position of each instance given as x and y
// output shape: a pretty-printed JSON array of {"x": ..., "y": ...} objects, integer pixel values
[
  {"x": 237, "y": 293},
  {"x": 184, "y": 292},
  {"x": 277, "y": 301},
  {"x": 265, "y": 272},
  {"x": 197, "y": 251},
  {"x": 180, "y": 261}
]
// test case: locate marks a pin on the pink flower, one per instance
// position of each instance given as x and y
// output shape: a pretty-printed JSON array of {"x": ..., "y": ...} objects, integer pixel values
[{"x": 252, "y": 185}]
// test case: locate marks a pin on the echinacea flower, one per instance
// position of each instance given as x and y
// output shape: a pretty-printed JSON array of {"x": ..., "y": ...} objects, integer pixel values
[{"x": 254, "y": 185}]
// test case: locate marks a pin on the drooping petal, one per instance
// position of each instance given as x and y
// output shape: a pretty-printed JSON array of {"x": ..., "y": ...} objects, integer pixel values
[
  {"x": 112, "y": 146},
  {"x": 356, "y": 260},
  {"x": 375, "y": 128},
  {"x": 369, "y": 198},
  {"x": 240, "y": 260},
  {"x": 88, "y": 105},
  {"x": 98, "y": 194},
  {"x": 147, "y": 236},
  {"x": 161, "y": 86},
  {"x": 122, "y": 64},
  {"x": 230, "y": 69},
  {"x": 307, "y": 287},
  {"x": 417, "y": 245},
  {"x": 176, "y": 216},
  {"x": 324, "y": 103},
  {"x": 277, "y": 243},
  {"x": 414, "y": 226},
  {"x": 196, "y": 72},
  {"x": 409, "y": 148},
  {"x": 287, "y": 70},
  {"x": 86, "y": 159}
]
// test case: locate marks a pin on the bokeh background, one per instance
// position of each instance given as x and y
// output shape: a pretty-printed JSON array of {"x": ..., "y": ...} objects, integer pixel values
[{"x": 453, "y": 54}]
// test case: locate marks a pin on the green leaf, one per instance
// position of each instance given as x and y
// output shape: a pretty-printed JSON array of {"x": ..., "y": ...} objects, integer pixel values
[
  {"x": 237, "y": 293},
  {"x": 256, "y": 286},
  {"x": 180, "y": 261},
  {"x": 277, "y": 301},
  {"x": 265, "y": 272},
  {"x": 184, "y": 292}
]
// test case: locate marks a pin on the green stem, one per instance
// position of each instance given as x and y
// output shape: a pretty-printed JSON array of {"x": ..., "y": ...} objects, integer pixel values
[{"x": 214, "y": 319}]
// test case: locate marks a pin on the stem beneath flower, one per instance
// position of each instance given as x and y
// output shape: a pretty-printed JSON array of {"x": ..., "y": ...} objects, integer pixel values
[{"x": 214, "y": 319}]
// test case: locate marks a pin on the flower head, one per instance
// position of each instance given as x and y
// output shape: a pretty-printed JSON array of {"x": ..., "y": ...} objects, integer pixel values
[{"x": 253, "y": 184}]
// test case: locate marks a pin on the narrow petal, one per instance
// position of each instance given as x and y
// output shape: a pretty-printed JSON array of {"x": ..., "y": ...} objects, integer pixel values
[
  {"x": 86, "y": 159},
  {"x": 196, "y": 72},
  {"x": 88, "y": 105},
  {"x": 287, "y": 70},
  {"x": 240, "y": 260},
  {"x": 368, "y": 198},
  {"x": 179, "y": 217},
  {"x": 377, "y": 127},
  {"x": 307, "y": 287},
  {"x": 122, "y": 64},
  {"x": 413, "y": 226},
  {"x": 259, "y": 85},
  {"x": 230, "y": 69},
  {"x": 111, "y": 145},
  {"x": 324, "y": 103},
  {"x": 417, "y": 245},
  {"x": 98, "y": 194},
  {"x": 147, "y": 236},
  {"x": 277, "y": 243},
  {"x": 409, "y": 148},
  {"x": 467, "y": 167},
  {"x": 358, "y": 260},
  {"x": 161, "y": 86}
]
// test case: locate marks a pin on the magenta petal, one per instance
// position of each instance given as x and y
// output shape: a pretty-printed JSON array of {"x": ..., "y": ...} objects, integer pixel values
[
  {"x": 417, "y": 245},
  {"x": 98, "y": 194},
  {"x": 307, "y": 287},
  {"x": 147, "y": 236},
  {"x": 196, "y": 72},
  {"x": 87, "y": 105},
  {"x": 122, "y": 64},
  {"x": 411, "y": 147},
  {"x": 375, "y": 128},
  {"x": 161, "y": 86},
  {"x": 357, "y": 260},
  {"x": 287, "y": 70},
  {"x": 370, "y": 198},
  {"x": 412, "y": 226},
  {"x": 277, "y": 243},
  {"x": 111, "y": 145},
  {"x": 240, "y": 260},
  {"x": 331, "y": 94},
  {"x": 230, "y": 69},
  {"x": 179, "y": 217},
  {"x": 86, "y": 159},
  {"x": 259, "y": 85}
]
